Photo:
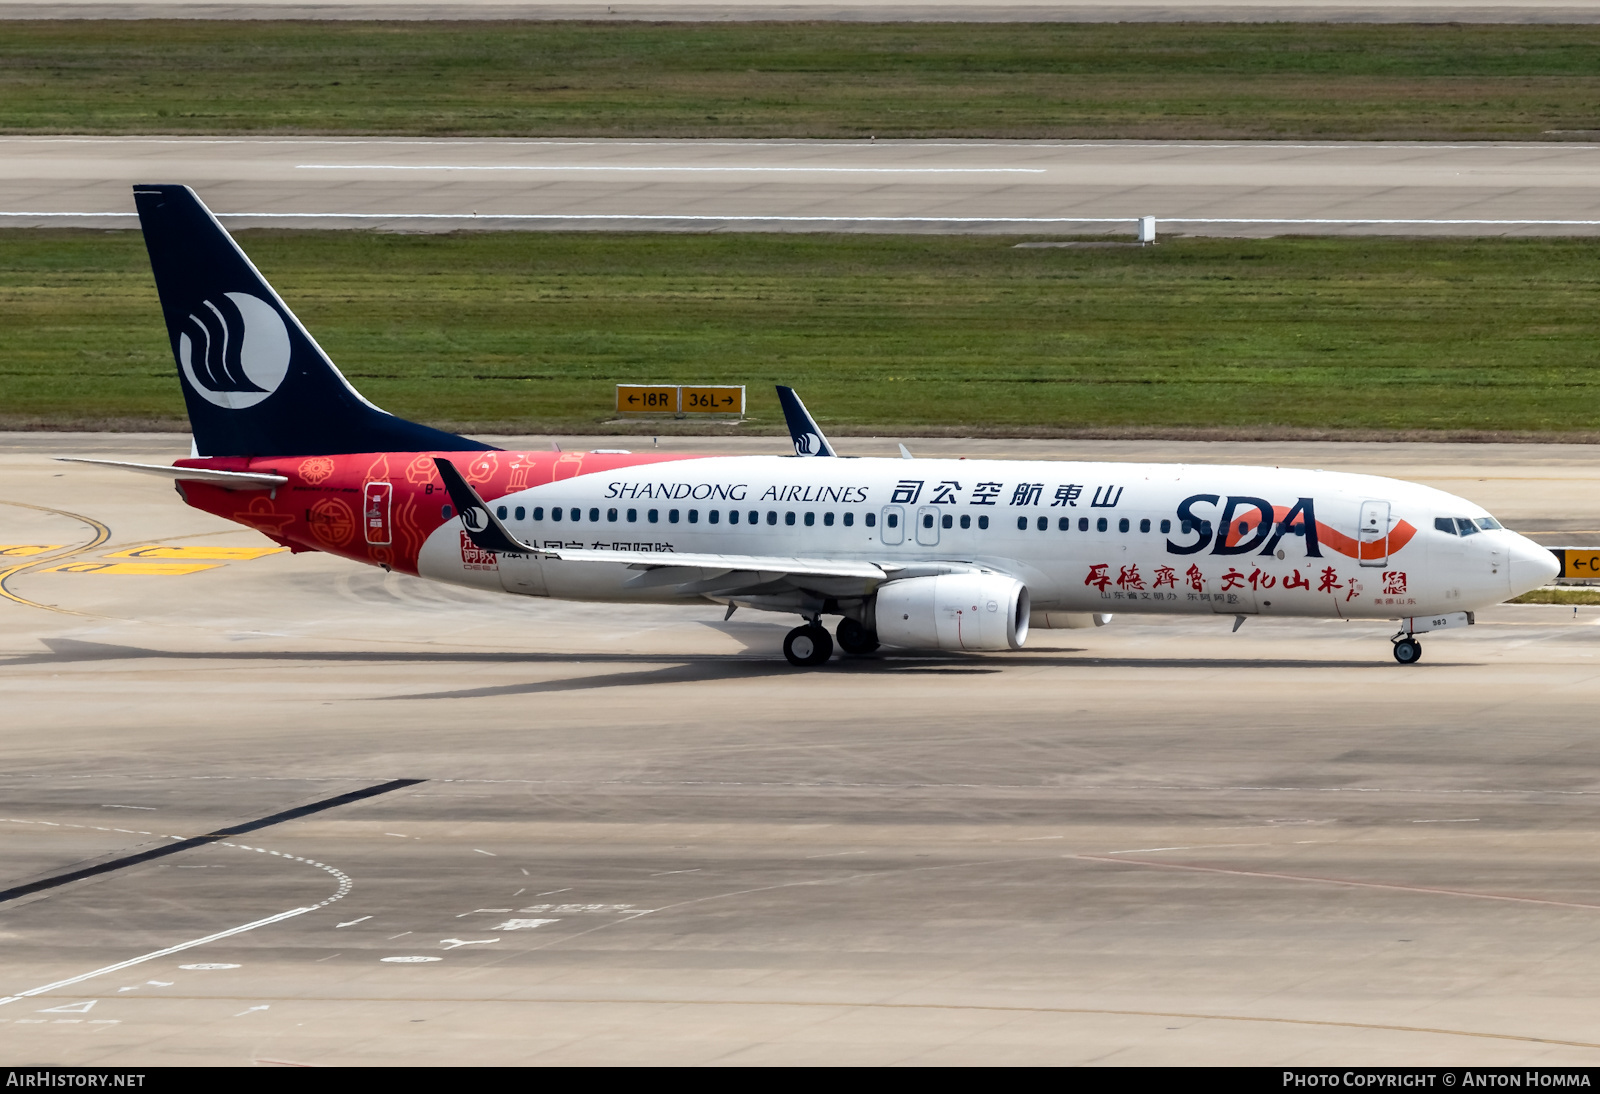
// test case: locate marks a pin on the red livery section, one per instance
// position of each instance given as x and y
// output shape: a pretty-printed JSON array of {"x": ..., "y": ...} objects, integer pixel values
[{"x": 381, "y": 507}]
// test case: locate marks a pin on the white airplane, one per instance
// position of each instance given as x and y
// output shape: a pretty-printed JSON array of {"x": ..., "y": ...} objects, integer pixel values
[{"x": 925, "y": 554}]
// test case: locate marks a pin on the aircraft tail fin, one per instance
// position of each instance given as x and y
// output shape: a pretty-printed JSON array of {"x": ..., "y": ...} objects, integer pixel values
[
  {"x": 803, "y": 429},
  {"x": 254, "y": 380}
]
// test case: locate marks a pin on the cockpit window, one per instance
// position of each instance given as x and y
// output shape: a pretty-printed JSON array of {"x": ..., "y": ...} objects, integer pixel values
[
  {"x": 1466, "y": 527},
  {"x": 1488, "y": 524},
  {"x": 1447, "y": 525}
]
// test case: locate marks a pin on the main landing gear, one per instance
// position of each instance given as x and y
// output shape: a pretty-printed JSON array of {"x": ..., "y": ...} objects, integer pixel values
[
  {"x": 808, "y": 645},
  {"x": 1407, "y": 650},
  {"x": 854, "y": 638}
]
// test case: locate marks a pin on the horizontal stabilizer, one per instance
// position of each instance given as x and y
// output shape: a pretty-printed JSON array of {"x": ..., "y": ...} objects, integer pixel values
[{"x": 228, "y": 480}]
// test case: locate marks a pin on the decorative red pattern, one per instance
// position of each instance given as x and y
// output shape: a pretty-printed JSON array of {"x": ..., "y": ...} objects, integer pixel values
[{"x": 315, "y": 510}]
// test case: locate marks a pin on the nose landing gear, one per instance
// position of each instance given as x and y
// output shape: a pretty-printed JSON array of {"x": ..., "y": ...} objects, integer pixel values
[
  {"x": 1407, "y": 650},
  {"x": 808, "y": 645}
]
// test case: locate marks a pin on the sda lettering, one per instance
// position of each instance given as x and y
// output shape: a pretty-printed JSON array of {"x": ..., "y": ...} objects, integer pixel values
[{"x": 1242, "y": 524}]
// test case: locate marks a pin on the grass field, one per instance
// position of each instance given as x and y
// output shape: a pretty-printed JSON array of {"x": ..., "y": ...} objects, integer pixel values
[
  {"x": 530, "y": 330},
  {"x": 1559, "y": 596},
  {"x": 803, "y": 80}
]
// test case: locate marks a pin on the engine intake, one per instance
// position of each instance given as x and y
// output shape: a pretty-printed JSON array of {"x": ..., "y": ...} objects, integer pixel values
[{"x": 954, "y": 612}]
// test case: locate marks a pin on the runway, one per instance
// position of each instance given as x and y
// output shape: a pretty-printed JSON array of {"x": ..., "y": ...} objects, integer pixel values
[
  {"x": 637, "y": 835},
  {"x": 1017, "y": 187}
]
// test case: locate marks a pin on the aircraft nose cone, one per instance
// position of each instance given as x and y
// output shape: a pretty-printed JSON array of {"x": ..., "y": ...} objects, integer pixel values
[{"x": 1531, "y": 566}]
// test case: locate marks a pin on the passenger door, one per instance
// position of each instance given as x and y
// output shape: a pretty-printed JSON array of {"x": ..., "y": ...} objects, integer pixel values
[
  {"x": 928, "y": 525},
  {"x": 1372, "y": 533},
  {"x": 894, "y": 525}
]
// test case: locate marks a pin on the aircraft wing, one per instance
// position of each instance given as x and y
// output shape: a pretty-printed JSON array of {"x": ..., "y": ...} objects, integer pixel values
[
  {"x": 651, "y": 560},
  {"x": 707, "y": 573},
  {"x": 228, "y": 480}
]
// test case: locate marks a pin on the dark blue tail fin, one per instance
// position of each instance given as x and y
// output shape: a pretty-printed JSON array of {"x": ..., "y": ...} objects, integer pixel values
[
  {"x": 256, "y": 383},
  {"x": 803, "y": 430}
]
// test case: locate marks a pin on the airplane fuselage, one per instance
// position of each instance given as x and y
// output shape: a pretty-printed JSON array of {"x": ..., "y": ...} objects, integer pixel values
[{"x": 1083, "y": 537}]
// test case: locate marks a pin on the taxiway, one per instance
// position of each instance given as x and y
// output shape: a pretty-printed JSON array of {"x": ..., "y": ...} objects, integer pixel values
[
  {"x": 1019, "y": 187},
  {"x": 638, "y": 835}
]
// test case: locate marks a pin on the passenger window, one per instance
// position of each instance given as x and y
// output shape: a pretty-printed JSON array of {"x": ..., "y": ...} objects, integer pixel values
[
  {"x": 1187, "y": 527},
  {"x": 827, "y": 520},
  {"x": 872, "y": 520},
  {"x": 611, "y": 515},
  {"x": 555, "y": 512},
  {"x": 594, "y": 516},
  {"x": 500, "y": 511},
  {"x": 1244, "y": 527},
  {"x": 733, "y": 516},
  {"x": 849, "y": 519},
  {"x": 1044, "y": 522},
  {"x": 772, "y": 516},
  {"x": 694, "y": 516},
  {"x": 1083, "y": 524},
  {"x": 1100, "y": 525},
  {"x": 445, "y": 511},
  {"x": 1166, "y": 526},
  {"x": 893, "y": 520},
  {"x": 966, "y": 521},
  {"x": 1445, "y": 525},
  {"x": 633, "y": 516},
  {"x": 983, "y": 523},
  {"x": 1064, "y": 524},
  {"x": 538, "y": 512},
  {"x": 1466, "y": 527},
  {"x": 653, "y": 516},
  {"x": 927, "y": 520},
  {"x": 672, "y": 516},
  {"x": 1144, "y": 525},
  {"x": 1022, "y": 524},
  {"x": 576, "y": 514},
  {"x": 1122, "y": 525},
  {"x": 1488, "y": 524},
  {"x": 521, "y": 512},
  {"x": 947, "y": 520},
  {"x": 788, "y": 518},
  {"x": 755, "y": 517},
  {"x": 713, "y": 515},
  {"x": 811, "y": 520}
]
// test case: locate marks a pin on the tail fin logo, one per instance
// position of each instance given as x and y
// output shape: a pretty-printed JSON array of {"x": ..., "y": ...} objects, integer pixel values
[
  {"x": 807, "y": 444},
  {"x": 235, "y": 353}
]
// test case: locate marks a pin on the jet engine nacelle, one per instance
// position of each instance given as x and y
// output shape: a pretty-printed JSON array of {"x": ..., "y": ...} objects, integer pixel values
[
  {"x": 954, "y": 612},
  {"x": 1068, "y": 621}
]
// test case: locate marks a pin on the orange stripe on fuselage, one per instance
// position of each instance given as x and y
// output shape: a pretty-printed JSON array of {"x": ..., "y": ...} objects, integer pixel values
[{"x": 1334, "y": 540}]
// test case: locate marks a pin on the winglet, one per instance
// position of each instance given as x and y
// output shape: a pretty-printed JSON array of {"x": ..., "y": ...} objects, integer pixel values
[
  {"x": 807, "y": 436},
  {"x": 479, "y": 521}
]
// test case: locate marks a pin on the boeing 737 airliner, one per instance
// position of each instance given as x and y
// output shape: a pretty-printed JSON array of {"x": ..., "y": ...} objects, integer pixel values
[{"x": 922, "y": 553}]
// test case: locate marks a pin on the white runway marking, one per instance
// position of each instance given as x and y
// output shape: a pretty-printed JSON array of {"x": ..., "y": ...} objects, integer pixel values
[
  {"x": 1393, "y": 222},
  {"x": 71, "y": 1008},
  {"x": 353, "y": 922},
  {"x": 675, "y": 170},
  {"x": 344, "y": 880},
  {"x": 179, "y": 948}
]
